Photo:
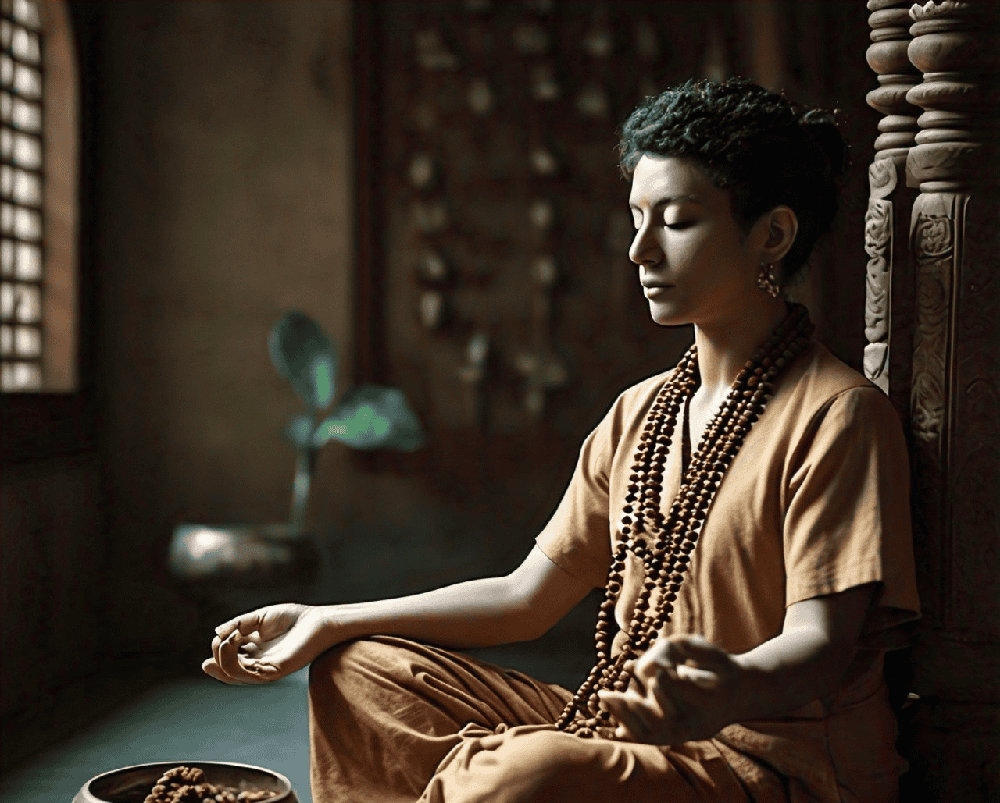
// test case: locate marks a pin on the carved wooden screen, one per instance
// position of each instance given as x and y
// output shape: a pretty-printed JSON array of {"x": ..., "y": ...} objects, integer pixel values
[
  {"x": 493, "y": 281},
  {"x": 933, "y": 324},
  {"x": 501, "y": 295}
]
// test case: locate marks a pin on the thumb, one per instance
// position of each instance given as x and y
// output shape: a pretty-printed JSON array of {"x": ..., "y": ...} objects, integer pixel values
[
  {"x": 286, "y": 653},
  {"x": 246, "y": 623},
  {"x": 697, "y": 650},
  {"x": 296, "y": 647}
]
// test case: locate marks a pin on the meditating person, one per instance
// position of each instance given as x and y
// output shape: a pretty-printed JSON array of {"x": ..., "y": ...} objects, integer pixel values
[{"x": 745, "y": 512}]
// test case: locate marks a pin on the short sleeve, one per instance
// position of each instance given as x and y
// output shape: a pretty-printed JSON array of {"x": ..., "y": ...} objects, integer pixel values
[
  {"x": 577, "y": 537},
  {"x": 848, "y": 517}
]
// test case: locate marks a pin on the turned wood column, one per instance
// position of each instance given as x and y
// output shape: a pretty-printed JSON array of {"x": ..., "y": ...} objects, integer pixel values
[
  {"x": 952, "y": 732},
  {"x": 889, "y": 284}
]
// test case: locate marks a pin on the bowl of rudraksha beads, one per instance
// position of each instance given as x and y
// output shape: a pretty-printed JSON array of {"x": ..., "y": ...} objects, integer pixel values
[{"x": 188, "y": 782}]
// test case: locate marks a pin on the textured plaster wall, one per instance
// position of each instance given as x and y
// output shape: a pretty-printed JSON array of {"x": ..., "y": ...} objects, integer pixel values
[
  {"x": 50, "y": 596},
  {"x": 224, "y": 186}
]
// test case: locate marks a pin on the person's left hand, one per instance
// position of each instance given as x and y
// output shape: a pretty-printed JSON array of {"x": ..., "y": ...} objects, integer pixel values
[{"x": 683, "y": 688}]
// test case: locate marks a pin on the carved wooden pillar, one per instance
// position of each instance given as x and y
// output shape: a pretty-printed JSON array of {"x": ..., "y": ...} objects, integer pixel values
[
  {"x": 954, "y": 729},
  {"x": 889, "y": 290}
]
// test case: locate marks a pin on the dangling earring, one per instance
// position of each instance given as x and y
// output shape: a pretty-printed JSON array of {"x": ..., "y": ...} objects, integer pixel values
[{"x": 768, "y": 282}]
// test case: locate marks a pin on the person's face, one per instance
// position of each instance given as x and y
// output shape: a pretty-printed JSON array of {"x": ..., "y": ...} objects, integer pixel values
[{"x": 695, "y": 264}]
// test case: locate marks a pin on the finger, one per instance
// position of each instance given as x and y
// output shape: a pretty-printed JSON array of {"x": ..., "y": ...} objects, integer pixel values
[
  {"x": 696, "y": 652},
  {"x": 223, "y": 630},
  {"x": 629, "y": 671},
  {"x": 652, "y": 664},
  {"x": 650, "y": 720},
  {"x": 637, "y": 721},
  {"x": 611, "y": 701},
  {"x": 694, "y": 649},
  {"x": 245, "y": 623},
  {"x": 232, "y": 659},
  {"x": 209, "y": 667},
  {"x": 229, "y": 657},
  {"x": 221, "y": 650},
  {"x": 212, "y": 669},
  {"x": 701, "y": 678},
  {"x": 219, "y": 641},
  {"x": 665, "y": 701},
  {"x": 631, "y": 714},
  {"x": 615, "y": 703},
  {"x": 251, "y": 644},
  {"x": 253, "y": 669}
]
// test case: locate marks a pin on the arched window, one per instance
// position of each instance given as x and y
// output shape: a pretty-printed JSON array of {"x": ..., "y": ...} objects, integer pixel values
[{"x": 38, "y": 207}]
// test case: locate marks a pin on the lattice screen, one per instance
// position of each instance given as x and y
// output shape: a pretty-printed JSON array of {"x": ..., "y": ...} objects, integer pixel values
[
  {"x": 508, "y": 290},
  {"x": 21, "y": 213}
]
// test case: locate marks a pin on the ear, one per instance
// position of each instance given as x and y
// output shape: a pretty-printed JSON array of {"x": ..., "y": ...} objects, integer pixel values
[{"x": 776, "y": 233}]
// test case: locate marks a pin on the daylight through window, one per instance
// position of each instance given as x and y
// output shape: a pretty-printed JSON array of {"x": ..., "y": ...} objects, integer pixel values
[{"x": 21, "y": 181}]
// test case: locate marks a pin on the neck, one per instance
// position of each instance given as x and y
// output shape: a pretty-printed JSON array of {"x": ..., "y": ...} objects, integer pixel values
[{"x": 724, "y": 348}]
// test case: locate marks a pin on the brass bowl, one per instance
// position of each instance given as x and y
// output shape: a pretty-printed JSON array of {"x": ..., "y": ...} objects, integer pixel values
[
  {"x": 133, "y": 784},
  {"x": 250, "y": 554}
]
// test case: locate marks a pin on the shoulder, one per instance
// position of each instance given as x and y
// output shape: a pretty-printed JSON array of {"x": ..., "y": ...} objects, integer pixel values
[
  {"x": 822, "y": 410},
  {"x": 820, "y": 388},
  {"x": 841, "y": 429},
  {"x": 819, "y": 375},
  {"x": 631, "y": 405},
  {"x": 642, "y": 393},
  {"x": 623, "y": 420}
]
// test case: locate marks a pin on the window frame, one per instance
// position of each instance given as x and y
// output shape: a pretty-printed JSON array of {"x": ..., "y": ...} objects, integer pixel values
[{"x": 39, "y": 425}]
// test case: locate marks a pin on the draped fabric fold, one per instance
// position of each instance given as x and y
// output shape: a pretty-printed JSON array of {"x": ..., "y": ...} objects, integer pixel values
[{"x": 394, "y": 721}]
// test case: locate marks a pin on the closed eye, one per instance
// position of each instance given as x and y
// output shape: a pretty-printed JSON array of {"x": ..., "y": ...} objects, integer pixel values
[{"x": 680, "y": 224}]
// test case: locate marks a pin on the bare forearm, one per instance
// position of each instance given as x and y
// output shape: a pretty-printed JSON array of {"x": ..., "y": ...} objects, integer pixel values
[
  {"x": 787, "y": 672},
  {"x": 690, "y": 689},
  {"x": 476, "y": 613},
  {"x": 809, "y": 658}
]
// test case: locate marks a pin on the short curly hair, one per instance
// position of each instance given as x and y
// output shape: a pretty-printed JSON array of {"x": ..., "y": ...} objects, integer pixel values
[{"x": 764, "y": 149}]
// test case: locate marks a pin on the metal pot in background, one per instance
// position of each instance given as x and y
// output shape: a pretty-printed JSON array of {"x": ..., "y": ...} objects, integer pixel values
[{"x": 255, "y": 555}]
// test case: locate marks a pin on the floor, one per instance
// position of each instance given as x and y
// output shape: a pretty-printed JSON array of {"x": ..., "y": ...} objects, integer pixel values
[
  {"x": 195, "y": 717},
  {"x": 180, "y": 718}
]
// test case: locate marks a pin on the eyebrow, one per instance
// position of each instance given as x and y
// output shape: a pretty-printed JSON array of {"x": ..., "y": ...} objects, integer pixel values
[{"x": 666, "y": 201}]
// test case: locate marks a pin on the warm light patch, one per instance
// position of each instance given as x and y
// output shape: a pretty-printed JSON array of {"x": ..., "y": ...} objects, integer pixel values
[{"x": 38, "y": 142}]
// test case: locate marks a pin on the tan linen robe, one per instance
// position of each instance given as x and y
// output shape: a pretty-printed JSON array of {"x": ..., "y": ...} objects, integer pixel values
[{"x": 815, "y": 502}]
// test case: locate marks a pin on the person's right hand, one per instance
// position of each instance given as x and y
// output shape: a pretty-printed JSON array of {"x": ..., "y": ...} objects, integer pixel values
[{"x": 269, "y": 643}]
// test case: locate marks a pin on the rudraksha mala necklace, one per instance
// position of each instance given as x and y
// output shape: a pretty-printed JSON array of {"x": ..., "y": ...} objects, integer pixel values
[{"x": 664, "y": 544}]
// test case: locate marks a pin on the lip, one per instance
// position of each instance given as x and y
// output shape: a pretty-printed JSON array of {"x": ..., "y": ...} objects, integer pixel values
[{"x": 654, "y": 290}]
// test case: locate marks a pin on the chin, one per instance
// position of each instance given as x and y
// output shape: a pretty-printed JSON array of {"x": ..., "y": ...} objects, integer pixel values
[{"x": 667, "y": 320}]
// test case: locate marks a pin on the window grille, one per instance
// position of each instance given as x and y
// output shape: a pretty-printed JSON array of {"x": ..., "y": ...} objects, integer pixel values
[{"x": 22, "y": 219}]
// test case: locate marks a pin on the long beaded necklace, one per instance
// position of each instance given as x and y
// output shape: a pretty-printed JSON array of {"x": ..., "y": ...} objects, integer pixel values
[{"x": 664, "y": 544}]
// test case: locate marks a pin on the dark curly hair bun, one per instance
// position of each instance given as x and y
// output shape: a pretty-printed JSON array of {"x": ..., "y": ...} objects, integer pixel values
[
  {"x": 821, "y": 128},
  {"x": 764, "y": 149}
]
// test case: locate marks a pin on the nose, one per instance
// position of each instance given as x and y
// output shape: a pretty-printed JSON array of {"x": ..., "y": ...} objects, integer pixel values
[{"x": 644, "y": 249}]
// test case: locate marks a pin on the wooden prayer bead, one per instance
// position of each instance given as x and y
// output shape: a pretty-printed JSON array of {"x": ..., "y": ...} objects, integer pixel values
[{"x": 666, "y": 562}]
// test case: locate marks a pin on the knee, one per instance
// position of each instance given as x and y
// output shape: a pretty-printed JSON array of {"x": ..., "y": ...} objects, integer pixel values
[
  {"x": 326, "y": 665},
  {"x": 342, "y": 659},
  {"x": 372, "y": 658},
  {"x": 533, "y": 766}
]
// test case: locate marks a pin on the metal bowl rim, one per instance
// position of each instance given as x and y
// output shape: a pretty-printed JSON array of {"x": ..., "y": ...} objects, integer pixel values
[{"x": 282, "y": 779}]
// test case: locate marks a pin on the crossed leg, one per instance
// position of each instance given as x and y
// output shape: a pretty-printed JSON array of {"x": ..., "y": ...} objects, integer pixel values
[{"x": 393, "y": 721}]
